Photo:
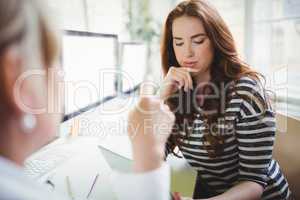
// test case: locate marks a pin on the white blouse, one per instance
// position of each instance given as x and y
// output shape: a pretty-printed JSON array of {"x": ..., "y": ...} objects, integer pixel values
[{"x": 153, "y": 185}]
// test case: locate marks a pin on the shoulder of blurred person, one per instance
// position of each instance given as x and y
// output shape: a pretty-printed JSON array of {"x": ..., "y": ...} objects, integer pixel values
[{"x": 16, "y": 186}]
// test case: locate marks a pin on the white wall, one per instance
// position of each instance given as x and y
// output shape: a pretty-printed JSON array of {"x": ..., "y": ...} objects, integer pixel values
[
  {"x": 105, "y": 16},
  {"x": 266, "y": 32},
  {"x": 68, "y": 14}
]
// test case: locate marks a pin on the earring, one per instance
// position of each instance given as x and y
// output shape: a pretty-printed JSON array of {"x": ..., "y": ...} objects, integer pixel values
[{"x": 28, "y": 123}]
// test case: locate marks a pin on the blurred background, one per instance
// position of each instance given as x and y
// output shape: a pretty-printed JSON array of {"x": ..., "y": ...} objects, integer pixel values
[
  {"x": 111, "y": 46},
  {"x": 267, "y": 33}
]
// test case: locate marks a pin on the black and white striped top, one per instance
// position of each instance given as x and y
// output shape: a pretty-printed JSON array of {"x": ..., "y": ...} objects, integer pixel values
[{"x": 247, "y": 154}]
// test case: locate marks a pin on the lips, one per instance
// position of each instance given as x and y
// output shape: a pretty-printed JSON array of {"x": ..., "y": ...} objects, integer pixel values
[{"x": 190, "y": 64}]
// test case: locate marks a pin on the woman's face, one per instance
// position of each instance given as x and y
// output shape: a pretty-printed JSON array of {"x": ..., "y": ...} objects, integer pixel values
[{"x": 192, "y": 47}]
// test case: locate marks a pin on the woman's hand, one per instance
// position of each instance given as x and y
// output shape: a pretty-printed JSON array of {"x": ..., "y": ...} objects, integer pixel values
[
  {"x": 177, "y": 196},
  {"x": 176, "y": 78},
  {"x": 149, "y": 125}
]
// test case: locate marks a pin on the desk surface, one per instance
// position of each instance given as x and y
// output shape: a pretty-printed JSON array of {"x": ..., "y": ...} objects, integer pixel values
[
  {"x": 81, "y": 170},
  {"x": 94, "y": 159},
  {"x": 107, "y": 123},
  {"x": 104, "y": 148}
]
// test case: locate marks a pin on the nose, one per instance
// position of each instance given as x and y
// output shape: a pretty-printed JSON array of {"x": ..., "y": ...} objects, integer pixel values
[{"x": 189, "y": 52}]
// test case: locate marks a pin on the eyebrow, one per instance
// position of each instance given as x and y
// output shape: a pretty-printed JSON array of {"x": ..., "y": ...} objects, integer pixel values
[{"x": 192, "y": 37}]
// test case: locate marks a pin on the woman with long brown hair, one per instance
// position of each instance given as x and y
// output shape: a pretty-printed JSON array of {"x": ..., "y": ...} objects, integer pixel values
[{"x": 225, "y": 126}]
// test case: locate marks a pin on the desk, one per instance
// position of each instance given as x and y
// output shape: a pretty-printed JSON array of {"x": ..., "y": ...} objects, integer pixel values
[
  {"x": 81, "y": 170},
  {"x": 103, "y": 153}
]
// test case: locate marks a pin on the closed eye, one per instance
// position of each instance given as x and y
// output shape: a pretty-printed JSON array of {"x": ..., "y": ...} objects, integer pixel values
[
  {"x": 179, "y": 44},
  {"x": 199, "y": 42}
]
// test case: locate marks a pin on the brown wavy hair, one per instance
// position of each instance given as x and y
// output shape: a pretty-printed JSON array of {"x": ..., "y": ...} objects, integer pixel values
[{"x": 226, "y": 68}]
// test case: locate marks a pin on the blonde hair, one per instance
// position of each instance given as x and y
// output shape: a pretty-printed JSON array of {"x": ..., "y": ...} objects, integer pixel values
[{"x": 22, "y": 23}]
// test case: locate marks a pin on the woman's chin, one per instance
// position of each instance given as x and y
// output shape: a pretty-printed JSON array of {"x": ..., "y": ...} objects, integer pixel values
[{"x": 195, "y": 74}]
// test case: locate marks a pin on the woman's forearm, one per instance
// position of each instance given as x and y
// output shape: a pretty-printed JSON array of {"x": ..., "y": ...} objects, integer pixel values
[{"x": 247, "y": 190}]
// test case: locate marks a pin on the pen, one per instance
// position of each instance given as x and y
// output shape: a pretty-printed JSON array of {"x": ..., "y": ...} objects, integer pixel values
[
  {"x": 71, "y": 195},
  {"x": 49, "y": 181},
  {"x": 93, "y": 185}
]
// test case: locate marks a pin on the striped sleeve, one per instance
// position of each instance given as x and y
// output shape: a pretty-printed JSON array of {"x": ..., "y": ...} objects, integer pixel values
[{"x": 255, "y": 132}]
